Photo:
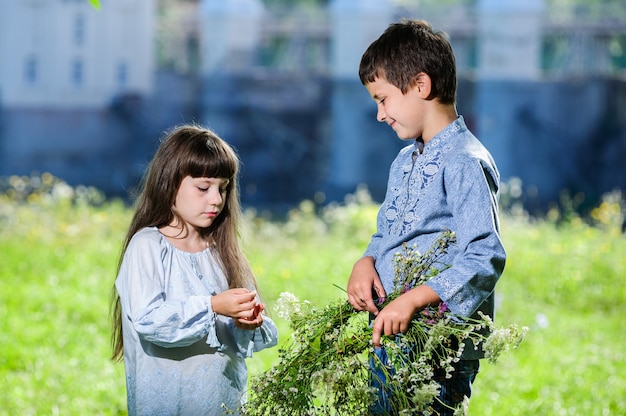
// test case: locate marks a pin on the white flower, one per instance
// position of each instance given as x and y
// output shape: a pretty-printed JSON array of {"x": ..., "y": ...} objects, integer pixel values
[
  {"x": 286, "y": 305},
  {"x": 502, "y": 339},
  {"x": 463, "y": 409}
]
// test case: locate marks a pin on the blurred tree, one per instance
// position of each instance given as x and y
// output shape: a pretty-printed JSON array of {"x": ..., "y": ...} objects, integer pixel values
[{"x": 95, "y": 3}]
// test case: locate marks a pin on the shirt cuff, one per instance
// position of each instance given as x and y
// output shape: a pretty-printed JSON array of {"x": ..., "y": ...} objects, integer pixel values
[{"x": 212, "y": 340}]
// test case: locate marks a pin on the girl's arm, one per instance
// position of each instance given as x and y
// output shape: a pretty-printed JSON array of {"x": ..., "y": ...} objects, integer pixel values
[{"x": 155, "y": 318}]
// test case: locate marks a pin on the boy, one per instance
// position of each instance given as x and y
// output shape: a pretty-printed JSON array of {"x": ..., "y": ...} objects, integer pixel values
[{"x": 444, "y": 179}]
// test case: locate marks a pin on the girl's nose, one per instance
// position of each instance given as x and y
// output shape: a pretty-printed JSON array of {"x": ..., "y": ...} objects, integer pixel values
[{"x": 215, "y": 197}]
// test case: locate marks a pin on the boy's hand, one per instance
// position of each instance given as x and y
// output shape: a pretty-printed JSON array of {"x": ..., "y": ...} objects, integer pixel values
[
  {"x": 397, "y": 315},
  {"x": 363, "y": 281},
  {"x": 393, "y": 319}
]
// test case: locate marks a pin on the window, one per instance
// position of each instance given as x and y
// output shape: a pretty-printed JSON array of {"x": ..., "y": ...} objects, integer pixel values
[
  {"x": 122, "y": 75},
  {"x": 79, "y": 29},
  {"x": 30, "y": 70},
  {"x": 77, "y": 72}
]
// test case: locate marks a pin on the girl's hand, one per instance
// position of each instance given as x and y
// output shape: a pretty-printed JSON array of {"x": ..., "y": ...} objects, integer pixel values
[
  {"x": 255, "y": 321},
  {"x": 236, "y": 303}
]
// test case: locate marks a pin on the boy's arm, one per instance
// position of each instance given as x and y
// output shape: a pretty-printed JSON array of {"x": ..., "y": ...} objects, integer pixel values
[
  {"x": 473, "y": 274},
  {"x": 363, "y": 280},
  {"x": 395, "y": 317}
]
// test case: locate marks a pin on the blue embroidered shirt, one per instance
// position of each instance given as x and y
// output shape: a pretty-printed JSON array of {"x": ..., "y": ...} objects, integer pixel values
[{"x": 451, "y": 183}]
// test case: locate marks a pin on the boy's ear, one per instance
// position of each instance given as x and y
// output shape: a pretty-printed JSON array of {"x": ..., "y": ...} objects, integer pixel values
[{"x": 423, "y": 84}]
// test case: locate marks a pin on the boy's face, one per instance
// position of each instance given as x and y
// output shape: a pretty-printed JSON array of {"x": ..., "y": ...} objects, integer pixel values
[{"x": 403, "y": 112}]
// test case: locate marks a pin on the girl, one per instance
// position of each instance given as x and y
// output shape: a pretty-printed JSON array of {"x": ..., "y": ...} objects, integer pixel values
[{"x": 186, "y": 311}]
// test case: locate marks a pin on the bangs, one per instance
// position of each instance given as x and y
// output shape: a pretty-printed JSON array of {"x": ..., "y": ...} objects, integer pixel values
[
  {"x": 371, "y": 74},
  {"x": 210, "y": 158}
]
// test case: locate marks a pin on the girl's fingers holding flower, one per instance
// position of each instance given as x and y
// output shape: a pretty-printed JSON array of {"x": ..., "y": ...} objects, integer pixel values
[
  {"x": 246, "y": 325},
  {"x": 258, "y": 309},
  {"x": 236, "y": 303},
  {"x": 255, "y": 321}
]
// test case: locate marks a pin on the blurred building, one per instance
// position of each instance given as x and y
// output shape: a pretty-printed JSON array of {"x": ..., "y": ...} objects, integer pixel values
[
  {"x": 71, "y": 81},
  {"x": 85, "y": 94},
  {"x": 65, "y": 54}
]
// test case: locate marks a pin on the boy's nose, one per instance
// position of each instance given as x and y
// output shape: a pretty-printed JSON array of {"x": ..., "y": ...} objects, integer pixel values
[{"x": 381, "y": 115}]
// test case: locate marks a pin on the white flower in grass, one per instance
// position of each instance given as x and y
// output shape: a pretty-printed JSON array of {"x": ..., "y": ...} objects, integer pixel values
[{"x": 287, "y": 305}]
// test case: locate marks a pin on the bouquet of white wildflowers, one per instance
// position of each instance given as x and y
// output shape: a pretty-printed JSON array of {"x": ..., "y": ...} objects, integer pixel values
[{"x": 324, "y": 370}]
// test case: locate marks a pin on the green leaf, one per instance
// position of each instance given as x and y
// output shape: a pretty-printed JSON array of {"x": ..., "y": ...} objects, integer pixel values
[{"x": 95, "y": 4}]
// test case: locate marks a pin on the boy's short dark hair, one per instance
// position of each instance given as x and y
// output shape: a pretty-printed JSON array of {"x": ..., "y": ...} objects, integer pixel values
[{"x": 403, "y": 51}]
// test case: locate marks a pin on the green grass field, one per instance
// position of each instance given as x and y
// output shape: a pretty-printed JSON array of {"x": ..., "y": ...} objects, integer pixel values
[{"x": 564, "y": 280}]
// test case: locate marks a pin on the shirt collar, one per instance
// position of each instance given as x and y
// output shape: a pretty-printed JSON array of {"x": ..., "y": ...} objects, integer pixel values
[{"x": 440, "y": 138}]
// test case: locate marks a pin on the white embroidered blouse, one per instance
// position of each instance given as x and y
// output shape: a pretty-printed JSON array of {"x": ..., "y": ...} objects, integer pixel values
[{"x": 180, "y": 357}]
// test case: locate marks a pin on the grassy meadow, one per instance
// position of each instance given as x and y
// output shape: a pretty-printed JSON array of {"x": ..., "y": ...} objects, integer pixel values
[{"x": 59, "y": 248}]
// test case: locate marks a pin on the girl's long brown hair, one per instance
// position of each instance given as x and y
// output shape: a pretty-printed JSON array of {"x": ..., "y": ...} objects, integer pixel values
[{"x": 197, "y": 152}]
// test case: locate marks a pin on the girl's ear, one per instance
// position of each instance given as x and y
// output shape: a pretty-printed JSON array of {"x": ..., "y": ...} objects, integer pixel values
[{"x": 423, "y": 84}]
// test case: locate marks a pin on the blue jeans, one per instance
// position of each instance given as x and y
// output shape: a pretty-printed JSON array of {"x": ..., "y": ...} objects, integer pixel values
[{"x": 451, "y": 394}]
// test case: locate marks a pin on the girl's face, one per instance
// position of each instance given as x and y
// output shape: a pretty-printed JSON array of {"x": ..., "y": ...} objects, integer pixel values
[
  {"x": 404, "y": 113},
  {"x": 200, "y": 200}
]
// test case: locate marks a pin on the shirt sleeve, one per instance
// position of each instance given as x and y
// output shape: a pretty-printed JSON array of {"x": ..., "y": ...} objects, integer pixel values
[
  {"x": 164, "y": 322},
  {"x": 372, "y": 247},
  {"x": 471, "y": 189},
  {"x": 249, "y": 342}
]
